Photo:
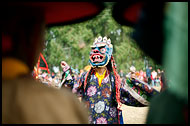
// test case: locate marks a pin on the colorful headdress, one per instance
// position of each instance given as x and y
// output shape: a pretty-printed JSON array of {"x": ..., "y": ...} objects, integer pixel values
[{"x": 101, "y": 52}]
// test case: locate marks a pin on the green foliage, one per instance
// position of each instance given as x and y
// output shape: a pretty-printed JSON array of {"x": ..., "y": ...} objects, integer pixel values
[{"x": 71, "y": 43}]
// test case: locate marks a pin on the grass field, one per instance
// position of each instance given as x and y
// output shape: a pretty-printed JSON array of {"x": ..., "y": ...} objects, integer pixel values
[{"x": 135, "y": 115}]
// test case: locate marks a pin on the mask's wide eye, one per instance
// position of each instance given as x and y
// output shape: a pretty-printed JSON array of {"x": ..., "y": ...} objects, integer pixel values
[{"x": 103, "y": 50}]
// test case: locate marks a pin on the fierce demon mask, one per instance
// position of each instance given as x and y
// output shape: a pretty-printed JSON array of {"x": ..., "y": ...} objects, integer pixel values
[{"x": 101, "y": 52}]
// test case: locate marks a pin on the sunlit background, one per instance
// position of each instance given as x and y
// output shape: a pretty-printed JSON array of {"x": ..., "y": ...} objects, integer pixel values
[{"x": 71, "y": 43}]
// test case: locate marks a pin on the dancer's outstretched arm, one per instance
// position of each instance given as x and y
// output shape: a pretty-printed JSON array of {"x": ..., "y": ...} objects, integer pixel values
[{"x": 136, "y": 93}]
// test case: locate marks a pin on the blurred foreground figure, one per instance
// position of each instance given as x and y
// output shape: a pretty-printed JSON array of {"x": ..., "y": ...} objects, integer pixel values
[
  {"x": 23, "y": 99},
  {"x": 166, "y": 26}
]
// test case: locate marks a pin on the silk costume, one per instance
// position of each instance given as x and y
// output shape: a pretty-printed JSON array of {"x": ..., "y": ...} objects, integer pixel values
[{"x": 101, "y": 99}]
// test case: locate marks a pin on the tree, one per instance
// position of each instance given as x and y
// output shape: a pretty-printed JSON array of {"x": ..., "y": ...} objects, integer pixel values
[{"x": 71, "y": 43}]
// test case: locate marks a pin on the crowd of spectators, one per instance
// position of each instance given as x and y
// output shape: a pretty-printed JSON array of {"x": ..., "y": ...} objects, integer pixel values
[
  {"x": 151, "y": 77},
  {"x": 52, "y": 79}
]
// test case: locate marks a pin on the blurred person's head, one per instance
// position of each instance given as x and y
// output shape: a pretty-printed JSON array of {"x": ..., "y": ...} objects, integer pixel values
[
  {"x": 158, "y": 70},
  {"x": 132, "y": 69},
  {"x": 24, "y": 32},
  {"x": 150, "y": 67}
]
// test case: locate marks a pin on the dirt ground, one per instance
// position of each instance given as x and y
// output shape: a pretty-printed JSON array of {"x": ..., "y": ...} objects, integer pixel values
[{"x": 135, "y": 115}]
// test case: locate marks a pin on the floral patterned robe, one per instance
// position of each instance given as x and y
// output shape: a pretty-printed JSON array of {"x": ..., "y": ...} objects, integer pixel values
[{"x": 101, "y": 100}]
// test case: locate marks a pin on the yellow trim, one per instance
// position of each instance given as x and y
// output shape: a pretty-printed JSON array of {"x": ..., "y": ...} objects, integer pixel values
[
  {"x": 12, "y": 68},
  {"x": 100, "y": 77}
]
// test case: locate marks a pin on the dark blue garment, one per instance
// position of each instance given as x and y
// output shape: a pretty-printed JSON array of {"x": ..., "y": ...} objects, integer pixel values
[
  {"x": 148, "y": 72},
  {"x": 121, "y": 119}
]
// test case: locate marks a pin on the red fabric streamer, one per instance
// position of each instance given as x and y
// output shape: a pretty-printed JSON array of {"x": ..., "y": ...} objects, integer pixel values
[{"x": 43, "y": 68}]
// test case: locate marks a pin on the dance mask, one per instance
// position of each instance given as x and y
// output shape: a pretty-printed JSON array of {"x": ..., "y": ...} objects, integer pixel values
[
  {"x": 64, "y": 66},
  {"x": 101, "y": 52}
]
